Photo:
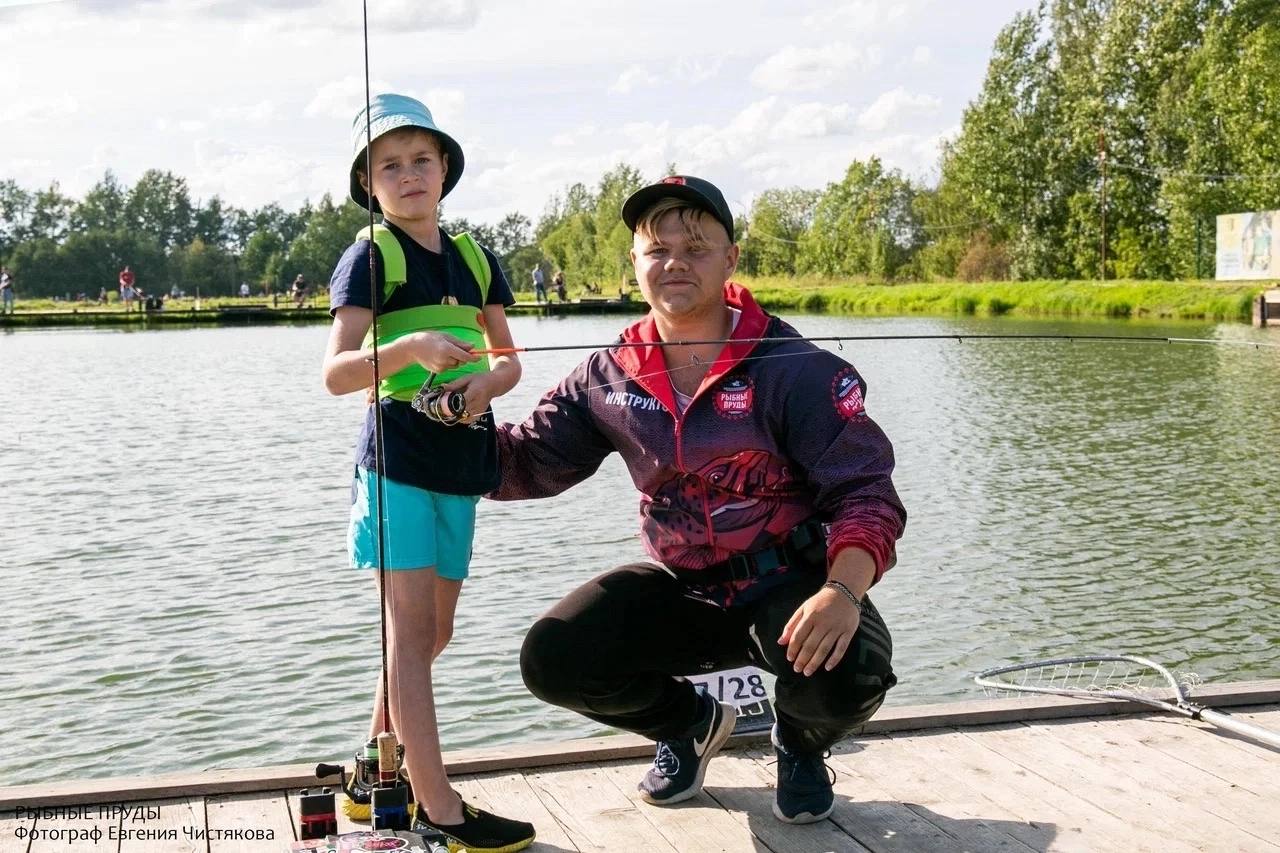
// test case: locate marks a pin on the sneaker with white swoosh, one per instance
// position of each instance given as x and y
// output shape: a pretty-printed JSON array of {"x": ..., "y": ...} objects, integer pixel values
[{"x": 681, "y": 763}]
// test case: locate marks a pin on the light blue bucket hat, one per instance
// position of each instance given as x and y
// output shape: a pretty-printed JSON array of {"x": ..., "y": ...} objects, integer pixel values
[{"x": 389, "y": 112}]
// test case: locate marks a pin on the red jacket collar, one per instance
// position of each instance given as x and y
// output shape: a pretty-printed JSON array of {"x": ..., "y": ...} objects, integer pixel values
[{"x": 647, "y": 366}]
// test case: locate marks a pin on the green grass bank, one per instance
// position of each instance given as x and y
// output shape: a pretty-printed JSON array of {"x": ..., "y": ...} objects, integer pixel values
[
  {"x": 1172, "y": 300},
  {"x": 1125, "y": 299}
]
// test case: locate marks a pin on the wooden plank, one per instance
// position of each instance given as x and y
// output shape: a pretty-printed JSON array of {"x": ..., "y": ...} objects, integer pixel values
[
  {"x": 1077, "y": 777},
  {"x": 1093, "y": 777},
  {"x": 130, "y": 789},
  {"x": 1077, "y": 824},
  {"x": 1196, "y": 793},
  {"x": 69, "y": 830},
  {"x": 170, "y": 825},
  {"x": 699, "y": 824},
  {"x": 345, "y": 824},
  {"x": 870, "y": 814},
  {"x": 15, "y": 832},
  {"x": 887, "y": 771},
  {"x": 238, "y": 822},
  {"x": 1201, "y": 746},
  {"x": 1268, "y": 718},
  {"x": 611, "y": 748},
  {"x": 741, "y": 783},
  {"x": 593, "y": 813},
  {"x": 951, "y": 796},
  {"x": 516, "y": 798}
]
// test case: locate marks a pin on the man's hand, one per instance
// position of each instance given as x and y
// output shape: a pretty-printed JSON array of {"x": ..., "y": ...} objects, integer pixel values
[{"x": 820, "y": 631}]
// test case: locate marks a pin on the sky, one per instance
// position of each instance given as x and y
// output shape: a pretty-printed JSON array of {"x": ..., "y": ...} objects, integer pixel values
[{"x": 253, "y": 102}]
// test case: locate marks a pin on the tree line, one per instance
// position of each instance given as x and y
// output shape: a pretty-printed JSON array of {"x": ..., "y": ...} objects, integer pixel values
[{"x": 1106, "y": 137}]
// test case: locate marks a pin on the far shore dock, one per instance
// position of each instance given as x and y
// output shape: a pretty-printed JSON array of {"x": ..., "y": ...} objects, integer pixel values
[
  {"x": 263, "y": 313},
  {"x": 1026, "y": 774}
]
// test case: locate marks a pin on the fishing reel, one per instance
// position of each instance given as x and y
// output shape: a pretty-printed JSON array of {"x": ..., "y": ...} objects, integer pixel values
[{"x": 444, "y": 407}]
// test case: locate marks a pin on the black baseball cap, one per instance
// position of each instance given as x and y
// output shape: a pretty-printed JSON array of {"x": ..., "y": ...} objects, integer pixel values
[{"x": 697, "y": 192}]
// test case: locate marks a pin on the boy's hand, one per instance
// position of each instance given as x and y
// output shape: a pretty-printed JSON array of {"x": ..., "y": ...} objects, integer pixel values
[
  {"x": 479, "y": 389},
  {"x": 438, "y": 352}
]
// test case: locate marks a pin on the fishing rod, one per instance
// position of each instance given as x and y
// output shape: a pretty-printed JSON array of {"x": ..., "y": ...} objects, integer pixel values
[{"x": 840, "y": 340}]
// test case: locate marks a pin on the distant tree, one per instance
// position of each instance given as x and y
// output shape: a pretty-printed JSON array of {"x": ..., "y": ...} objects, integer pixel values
[
  {"x": 102, "y": 208},
  {"x": 865, "y": 225},
  {"x": 329, "y": 231},
  {"x": 160, "y": 205},
  {"x": 206, "y": 268},
  {"x": 775, "y": 225}
]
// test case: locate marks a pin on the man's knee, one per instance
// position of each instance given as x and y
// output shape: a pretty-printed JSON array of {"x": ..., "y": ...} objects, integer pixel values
[{"x": 549, "y": 659}]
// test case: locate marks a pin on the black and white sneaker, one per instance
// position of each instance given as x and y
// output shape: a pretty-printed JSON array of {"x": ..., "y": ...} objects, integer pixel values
[
  {"x": 805, "y": 782},
  {"x": 681, "y": 763}
]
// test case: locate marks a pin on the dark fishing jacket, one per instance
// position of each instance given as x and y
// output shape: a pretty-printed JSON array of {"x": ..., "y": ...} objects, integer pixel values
[{"x": 776, "y": 435}]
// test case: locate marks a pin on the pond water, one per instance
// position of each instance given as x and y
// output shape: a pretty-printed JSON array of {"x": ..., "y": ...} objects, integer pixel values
[{"x": 174, "y": 503}]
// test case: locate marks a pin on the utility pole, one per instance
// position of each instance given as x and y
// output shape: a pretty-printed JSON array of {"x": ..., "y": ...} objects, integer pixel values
[{"x": 1102, "y": 159}]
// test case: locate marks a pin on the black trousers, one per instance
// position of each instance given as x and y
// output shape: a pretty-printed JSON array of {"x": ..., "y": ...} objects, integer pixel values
[{"x": 611, "y": 648}]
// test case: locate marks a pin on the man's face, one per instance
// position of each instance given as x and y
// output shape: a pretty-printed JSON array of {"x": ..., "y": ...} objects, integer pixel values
[
  {"x": 681, "y": 276},
  {"x": 408, "y": 174}
]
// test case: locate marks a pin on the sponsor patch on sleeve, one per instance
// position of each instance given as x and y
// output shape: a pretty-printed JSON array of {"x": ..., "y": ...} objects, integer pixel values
[
  {"x": 735, "y": 397},
  {"x": 846, "y": 394}
]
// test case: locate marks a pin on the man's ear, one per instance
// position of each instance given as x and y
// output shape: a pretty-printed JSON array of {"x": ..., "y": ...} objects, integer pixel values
[
  {"x": 731, "y": 261},
  {"x": 444, "y": 158}
]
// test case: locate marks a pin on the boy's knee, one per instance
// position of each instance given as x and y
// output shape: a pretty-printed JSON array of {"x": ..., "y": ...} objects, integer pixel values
[{"x": 443, "y": 635}]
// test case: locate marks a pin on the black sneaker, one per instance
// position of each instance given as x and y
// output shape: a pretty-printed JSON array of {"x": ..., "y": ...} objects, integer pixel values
[
  {"x": 804, "y": 785},
  {"x": 681, "y": 763},
  {"x": 479, "y": 832}
]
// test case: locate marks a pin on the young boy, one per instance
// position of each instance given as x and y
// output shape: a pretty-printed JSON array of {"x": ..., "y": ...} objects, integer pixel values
[{"x": 431, "y": 473}]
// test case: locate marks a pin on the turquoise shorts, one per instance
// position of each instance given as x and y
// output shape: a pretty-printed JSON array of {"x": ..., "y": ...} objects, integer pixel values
[{"x": 420, "y": 529}]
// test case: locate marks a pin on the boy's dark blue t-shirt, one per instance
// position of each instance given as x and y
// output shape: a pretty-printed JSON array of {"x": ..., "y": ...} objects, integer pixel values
[{"x": 457, "y": 460}]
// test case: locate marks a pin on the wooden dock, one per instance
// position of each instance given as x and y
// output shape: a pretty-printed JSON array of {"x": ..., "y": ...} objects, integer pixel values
[
  {"x": 1001, "y": 775},
  {"x": 1266, "y": 308}
]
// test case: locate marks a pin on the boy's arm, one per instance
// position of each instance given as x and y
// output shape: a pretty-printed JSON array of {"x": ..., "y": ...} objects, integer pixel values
[
  {"x": 504, "y": 371},
  {"x": 348, "y": 365}
]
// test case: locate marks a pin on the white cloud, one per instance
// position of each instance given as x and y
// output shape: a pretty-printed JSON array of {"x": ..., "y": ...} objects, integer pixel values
[
  {"x": 895, "y": 106},
  {"x": 255, "y": 113},
  {"x": 922, "y": 55},
  {"x": 632, "y": 78},
  {"x": 568, "y": 138},
  {"x": 696, "y": 71},
  {"x": 339, "y": 15},
  {"x": 32, "y": 110},
  {"x": 794, "y": 68},
  {"x": 859, "y": 16},
  {"x": 814, "y": 120}
]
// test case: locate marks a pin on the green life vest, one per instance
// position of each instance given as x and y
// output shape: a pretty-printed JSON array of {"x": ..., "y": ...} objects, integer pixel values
[{"x": 465, "y": 322}]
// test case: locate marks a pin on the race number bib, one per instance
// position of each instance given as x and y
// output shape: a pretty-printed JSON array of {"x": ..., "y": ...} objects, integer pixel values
[{"x": 743, "y": 688}]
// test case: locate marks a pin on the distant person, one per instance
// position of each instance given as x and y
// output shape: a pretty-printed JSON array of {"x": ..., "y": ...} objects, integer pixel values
[
  {"x": 102, "y": 296},
  {"x": 6, "y": 291},
  {"x": 539, "y": 283},
  {"x": 128, "y": 290},
  {"x": 174, "y": 293},
  {"x": 244, "y": 290},
  {"x": 299, "y": 291},
  {"x": 557, "y": 282}
]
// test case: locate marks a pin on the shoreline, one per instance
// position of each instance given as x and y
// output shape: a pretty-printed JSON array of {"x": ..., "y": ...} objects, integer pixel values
[{"x": 1203, "y": 301}]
